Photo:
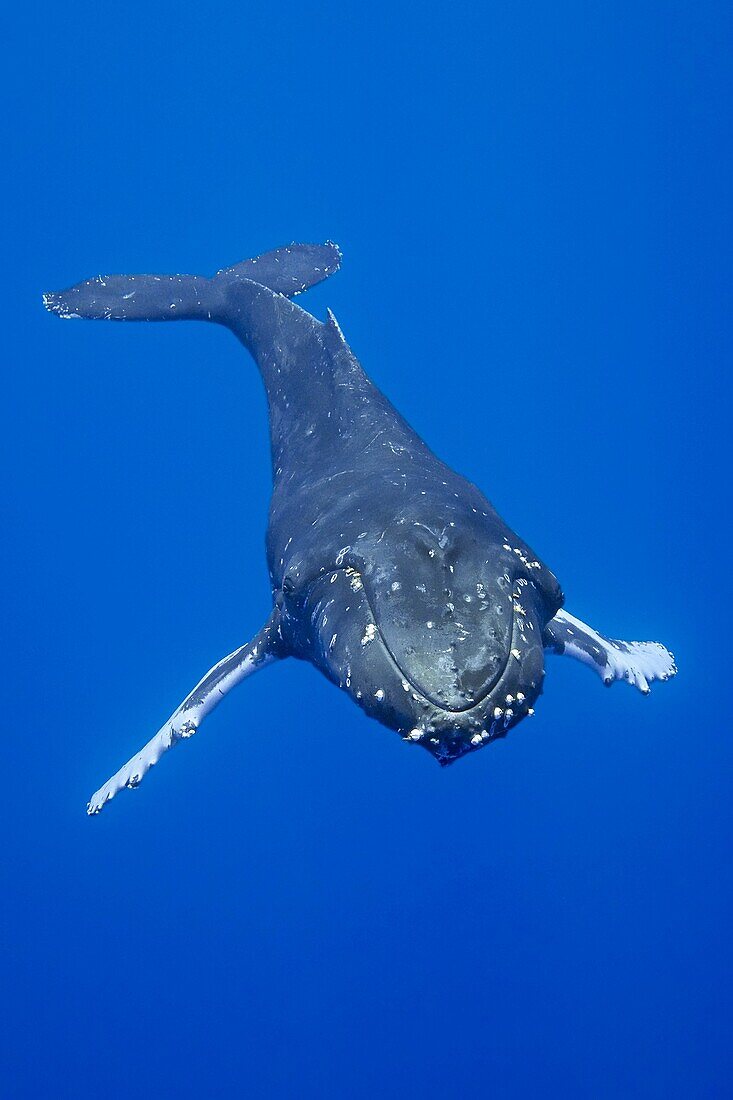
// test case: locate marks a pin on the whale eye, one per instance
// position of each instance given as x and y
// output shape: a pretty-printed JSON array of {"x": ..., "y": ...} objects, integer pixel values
[{"x": 288, "y": 585}]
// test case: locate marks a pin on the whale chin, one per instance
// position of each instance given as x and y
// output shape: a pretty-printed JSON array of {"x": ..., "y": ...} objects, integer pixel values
[
  {"x": 497, "y": 679},
  {"x": 453, "y": 734},
  {"x": 460, "y": 700},
  {"x": 345, "y": 642}
]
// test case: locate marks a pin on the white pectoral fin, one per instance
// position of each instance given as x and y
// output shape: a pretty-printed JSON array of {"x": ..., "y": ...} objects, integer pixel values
[
  {"x": 185, "y": 721},
  {"x": 638, "y": 663}
]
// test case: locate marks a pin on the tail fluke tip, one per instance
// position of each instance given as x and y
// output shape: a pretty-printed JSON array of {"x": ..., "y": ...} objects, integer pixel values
[{"x": 55, "y": 303}]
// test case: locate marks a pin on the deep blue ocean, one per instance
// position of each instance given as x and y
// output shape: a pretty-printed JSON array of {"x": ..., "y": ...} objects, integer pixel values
[{"x": 533, "y": 203}]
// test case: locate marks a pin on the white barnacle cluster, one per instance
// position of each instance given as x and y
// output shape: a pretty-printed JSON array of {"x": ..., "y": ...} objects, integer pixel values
[
  {"x": 506, "y": 713},
  {"x": 521, "y": 583},
  {"x": 522, "y": 557},
  {"x": 354, "y": 578},
  {"x": 370, "y": 633}
]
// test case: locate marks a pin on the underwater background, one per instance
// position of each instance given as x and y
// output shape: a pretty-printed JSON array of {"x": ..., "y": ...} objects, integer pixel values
[{"x": 533, "y": 203}]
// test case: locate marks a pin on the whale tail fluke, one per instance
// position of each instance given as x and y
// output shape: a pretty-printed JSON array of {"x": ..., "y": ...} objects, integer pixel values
[{"x": 288, "y": 271}]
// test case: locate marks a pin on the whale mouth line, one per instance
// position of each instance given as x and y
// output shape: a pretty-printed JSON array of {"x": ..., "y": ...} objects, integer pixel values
[
  {"x": 477, "y": 701},
  {"x": 496, "y": 680}
]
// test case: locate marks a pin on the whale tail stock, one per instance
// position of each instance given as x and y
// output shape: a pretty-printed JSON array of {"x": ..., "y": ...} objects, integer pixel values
[{"x": 287, "y": 271}]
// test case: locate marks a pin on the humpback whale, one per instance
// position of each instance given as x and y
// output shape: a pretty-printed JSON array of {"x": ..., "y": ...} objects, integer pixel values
[{"x": 390, "y": 573}]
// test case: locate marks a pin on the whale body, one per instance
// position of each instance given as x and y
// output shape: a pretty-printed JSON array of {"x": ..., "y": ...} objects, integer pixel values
[{"x": 390, "y": 573}]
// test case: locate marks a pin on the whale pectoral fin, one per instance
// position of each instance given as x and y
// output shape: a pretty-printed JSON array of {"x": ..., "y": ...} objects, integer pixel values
[
  {"x": 186, "y": 719},
  {"x": 637, "y": 663}
]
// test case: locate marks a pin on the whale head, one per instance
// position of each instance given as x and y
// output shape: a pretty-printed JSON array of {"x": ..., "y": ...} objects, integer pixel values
[{"x": 435, "y": 628}]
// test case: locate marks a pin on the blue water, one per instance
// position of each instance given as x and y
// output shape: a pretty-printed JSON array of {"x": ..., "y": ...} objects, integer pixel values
[{"x": 534, "y": 207}]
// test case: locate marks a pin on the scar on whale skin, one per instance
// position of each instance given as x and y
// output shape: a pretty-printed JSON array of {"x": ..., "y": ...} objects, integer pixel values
[{"x": 390, "y": 573}]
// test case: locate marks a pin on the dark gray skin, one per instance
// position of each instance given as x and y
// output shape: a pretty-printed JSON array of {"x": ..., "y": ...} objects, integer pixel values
[
  {"x": 390, "y": 573},
  {"x": 369, "y": 529}
]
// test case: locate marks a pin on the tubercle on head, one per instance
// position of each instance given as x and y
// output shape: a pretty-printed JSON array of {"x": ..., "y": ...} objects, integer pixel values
[
  {"x": 448, "y": 742},
  {"x": 529, "y": 569}
]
